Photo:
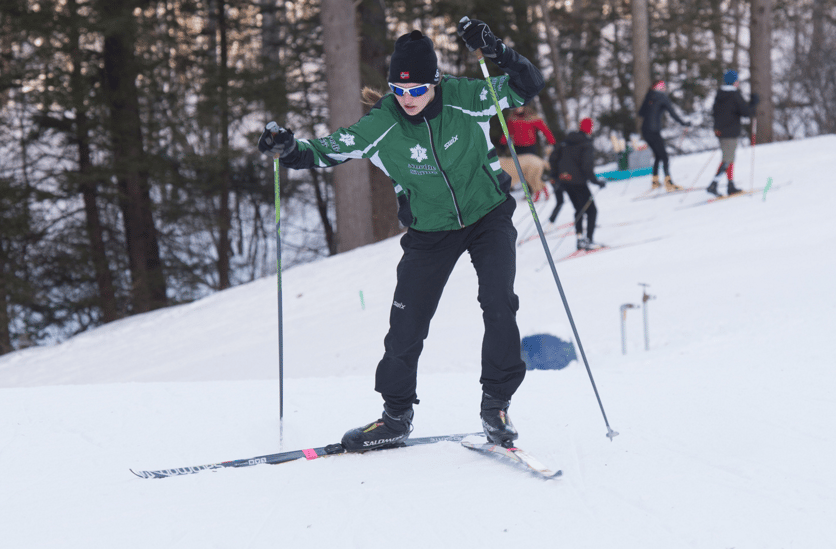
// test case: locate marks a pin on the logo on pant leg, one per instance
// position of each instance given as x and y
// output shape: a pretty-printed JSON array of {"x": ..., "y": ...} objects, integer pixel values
[{"x": 400, "y": 306}]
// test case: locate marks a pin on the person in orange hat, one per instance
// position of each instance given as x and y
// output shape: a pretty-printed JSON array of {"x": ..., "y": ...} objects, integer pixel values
[
  {"x": 571, "y": 163},
  {"x": 653, "y": 108}
]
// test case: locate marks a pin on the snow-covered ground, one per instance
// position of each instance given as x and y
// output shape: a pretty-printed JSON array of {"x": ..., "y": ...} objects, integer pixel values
[{"x": 726, "y": 437}]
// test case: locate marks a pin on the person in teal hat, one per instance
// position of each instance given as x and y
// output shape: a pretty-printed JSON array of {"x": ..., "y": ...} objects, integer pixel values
[{"x": 729, "y": 107}]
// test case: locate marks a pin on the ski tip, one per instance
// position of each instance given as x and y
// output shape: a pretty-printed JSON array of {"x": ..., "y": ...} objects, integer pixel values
[{"x": 142, "y": 474}]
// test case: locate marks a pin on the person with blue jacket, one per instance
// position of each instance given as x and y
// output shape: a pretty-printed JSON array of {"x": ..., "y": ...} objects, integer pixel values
[{"x": 430, "y": 136}]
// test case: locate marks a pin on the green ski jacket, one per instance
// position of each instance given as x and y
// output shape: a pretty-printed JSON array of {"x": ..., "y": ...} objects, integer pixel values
[{"x": 444, "y": 168}]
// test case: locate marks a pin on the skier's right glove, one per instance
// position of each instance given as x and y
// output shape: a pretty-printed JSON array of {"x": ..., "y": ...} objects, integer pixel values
[
  {"x": 276, "y": 141},
  {"x": 477, "y": 35},
  {"x": 601, "y": 183}
]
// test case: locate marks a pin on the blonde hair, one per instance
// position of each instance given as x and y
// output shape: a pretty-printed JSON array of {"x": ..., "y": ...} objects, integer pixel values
[{"x": 371, "y": 96}]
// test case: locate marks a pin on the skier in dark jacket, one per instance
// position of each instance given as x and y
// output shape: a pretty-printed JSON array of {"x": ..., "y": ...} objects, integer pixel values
[
  {"x": 653, "y": 107},
  {"x": 729, "y": 107},
  {"x": 571, "y": 164},
  {"x": 430, "y": 136}
]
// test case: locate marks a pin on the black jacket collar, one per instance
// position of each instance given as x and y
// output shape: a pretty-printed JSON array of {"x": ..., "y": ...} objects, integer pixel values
[{"x": 432, "y": 109}]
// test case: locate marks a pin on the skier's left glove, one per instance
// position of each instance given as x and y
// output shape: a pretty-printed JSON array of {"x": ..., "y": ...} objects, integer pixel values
[
  {"x": 477, "y": 35},
  {"x": 601, "y": 183},
  {"x": 276, "y": 141}
]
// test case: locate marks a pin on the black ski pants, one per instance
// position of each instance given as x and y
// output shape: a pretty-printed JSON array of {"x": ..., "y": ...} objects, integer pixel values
[
  {"x": 582, "y": 201},
  {"x": 657, "y": 144},
  {"x": 423, "y": 271}
]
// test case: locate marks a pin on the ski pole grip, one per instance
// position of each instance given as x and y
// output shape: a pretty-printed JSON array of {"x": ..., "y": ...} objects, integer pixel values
[{"x": 478, "y": 51}]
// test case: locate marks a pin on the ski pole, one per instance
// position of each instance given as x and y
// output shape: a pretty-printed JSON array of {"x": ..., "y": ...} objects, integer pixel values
[
  {"x": 279, "y": 275},
  {"x": 483, "y": 66},
  {"x": 694, "y": 182},
  {"x": 682, "y": 138}
]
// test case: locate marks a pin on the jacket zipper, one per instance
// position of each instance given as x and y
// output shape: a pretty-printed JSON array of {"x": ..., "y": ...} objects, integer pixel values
[{"x": 444, "y": 175}]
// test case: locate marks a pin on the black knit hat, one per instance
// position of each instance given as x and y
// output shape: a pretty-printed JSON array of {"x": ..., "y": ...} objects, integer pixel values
[{"x": 414, "y": 60}]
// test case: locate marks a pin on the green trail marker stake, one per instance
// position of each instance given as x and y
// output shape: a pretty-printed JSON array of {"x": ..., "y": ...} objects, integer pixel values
[{"x": 768, "y": 184}]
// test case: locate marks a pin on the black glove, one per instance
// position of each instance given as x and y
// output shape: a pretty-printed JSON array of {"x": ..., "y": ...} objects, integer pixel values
[
  {"x": 601, "y": 183},
  {"x": 687, "y": 124},
  {"x": 477, "y": 35},
  {"x": 755, "y": 100},
  {"x": 276, "y": 141}
]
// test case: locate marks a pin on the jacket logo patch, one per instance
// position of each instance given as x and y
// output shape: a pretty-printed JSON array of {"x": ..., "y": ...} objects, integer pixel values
[
  {"x": 347, "y": 138},
  {"x": 484, "y": 94},
  {"x": 450, "y": 143},
  {"x": 419, "y": 153}
]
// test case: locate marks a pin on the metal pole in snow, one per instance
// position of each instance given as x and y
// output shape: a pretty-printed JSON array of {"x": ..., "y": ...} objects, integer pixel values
[
  {"x": 645, "y": 299},
  {"x": 623, "y": 315}
]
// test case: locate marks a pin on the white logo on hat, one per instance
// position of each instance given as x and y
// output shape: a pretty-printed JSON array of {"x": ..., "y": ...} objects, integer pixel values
[{"x": 419, "y": 153}]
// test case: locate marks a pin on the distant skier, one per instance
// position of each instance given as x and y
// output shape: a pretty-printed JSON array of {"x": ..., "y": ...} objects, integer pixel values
[
  {"x": 429, "y": 135},
  {"x": 571, "y": 164},
  {"x": 523, "y": 126},
  {"x": 729, "y": 107},
  {"x": 653, "y": 107}
]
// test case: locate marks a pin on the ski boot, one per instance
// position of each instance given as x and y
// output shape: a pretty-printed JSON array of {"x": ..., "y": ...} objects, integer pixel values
[
  {"x": 590, "y": 245},
  {"x": 390, "y": 430},
  {"x": 654, "y": 183},
  {"x": 495, "y": 421},
  {"x": 670, "y": 186},
  {"x": 733, "y": 189},
  {"x": 582, "y": 242},
  {"x": 713, "y": 188}
]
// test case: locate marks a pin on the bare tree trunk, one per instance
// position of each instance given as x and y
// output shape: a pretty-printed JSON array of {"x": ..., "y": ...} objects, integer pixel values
[
  {"x": 88, "y": 184},
  {"x": 738, "y": 17},
  {"x": 342, "y": 65},
  {"x": 641, "y": 56},
  {"x": 5, "y": 332},
  {"x": 555, "y": 55},
  {"x": 374, "y": 48},
  {"x": 130, "y": 168},
  {"x": 760, "y": 29},
  {"x": 224, "y": 214}
]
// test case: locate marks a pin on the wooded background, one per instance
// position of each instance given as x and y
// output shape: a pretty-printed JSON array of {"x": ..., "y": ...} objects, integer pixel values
[{"x": 129, "y": 178}]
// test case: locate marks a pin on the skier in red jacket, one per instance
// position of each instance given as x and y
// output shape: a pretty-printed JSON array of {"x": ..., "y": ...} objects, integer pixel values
[{"x": 523, "y": 127}]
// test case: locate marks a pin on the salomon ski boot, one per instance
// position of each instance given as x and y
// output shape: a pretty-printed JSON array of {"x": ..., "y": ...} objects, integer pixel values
[
  {"x": 390, "y": 430},
  {"x": 670, "y": 186},
  {"x": 495, "y": 421}
]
